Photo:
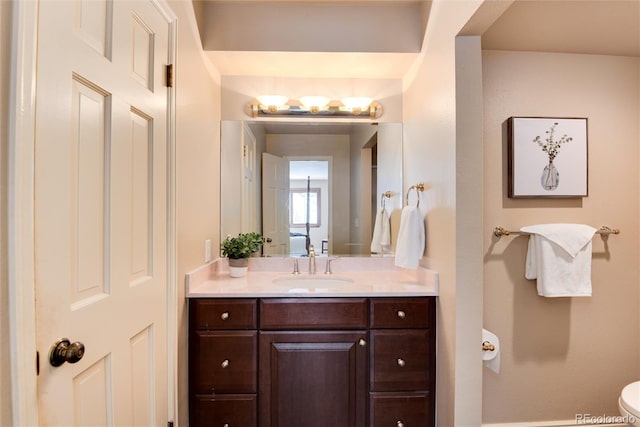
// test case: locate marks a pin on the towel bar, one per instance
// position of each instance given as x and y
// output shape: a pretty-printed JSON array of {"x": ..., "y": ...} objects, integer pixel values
[
  {"x": 500, "y": 231},
  {"x": 385, "y": 195},
  {"x": 418, "y": 187}
]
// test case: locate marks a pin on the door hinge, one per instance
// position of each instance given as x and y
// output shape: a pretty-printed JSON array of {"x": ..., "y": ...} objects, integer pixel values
[
  {"x": 37, "y": 363},
  {"x": 170, "y": 75},
  {"x": 244, "y": 151}
]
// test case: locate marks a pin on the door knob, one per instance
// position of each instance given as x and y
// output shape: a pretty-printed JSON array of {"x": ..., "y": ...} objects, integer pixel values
[
  {"x": 268, "y": 240},
  {"x": 63, "y": 351}
]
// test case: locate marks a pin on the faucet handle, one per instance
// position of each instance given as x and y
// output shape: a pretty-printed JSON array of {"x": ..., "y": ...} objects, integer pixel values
[
  {"x": 327, "y": 269},
  {"x": 296, "y": 269}
]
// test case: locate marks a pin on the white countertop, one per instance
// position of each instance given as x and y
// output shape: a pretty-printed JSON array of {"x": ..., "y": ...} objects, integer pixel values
[{"x": 272, "y": 277}]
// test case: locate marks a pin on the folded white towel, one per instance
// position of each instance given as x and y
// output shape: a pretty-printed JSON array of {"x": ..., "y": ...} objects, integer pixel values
[
  {"x": 410, "y": 244},
  {"x": 559, "y": 257},
  {"x": 381, "y": 240}
]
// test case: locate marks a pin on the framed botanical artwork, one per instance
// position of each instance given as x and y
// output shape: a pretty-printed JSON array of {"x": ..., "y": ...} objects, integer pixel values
[{"x": 547, "y": 157}]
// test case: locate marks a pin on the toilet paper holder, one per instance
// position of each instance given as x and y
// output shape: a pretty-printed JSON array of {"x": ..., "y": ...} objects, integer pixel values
[{"x": 487, "y": 346}]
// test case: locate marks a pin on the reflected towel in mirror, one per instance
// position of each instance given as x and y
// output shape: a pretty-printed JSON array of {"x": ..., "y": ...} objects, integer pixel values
[{"x": 381, "y": 241}]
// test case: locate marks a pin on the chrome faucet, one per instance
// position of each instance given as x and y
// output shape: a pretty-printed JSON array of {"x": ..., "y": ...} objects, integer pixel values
[
  {"x": 312, "y": 260},
  {"x": 327, "y": 269}
]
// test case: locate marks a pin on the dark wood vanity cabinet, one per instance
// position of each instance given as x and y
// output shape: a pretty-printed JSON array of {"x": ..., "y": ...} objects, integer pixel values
[
  {"x": 403, "y": 362},
  {"x": 223, "y": 362},
  {"x": 312, "y": 362}
]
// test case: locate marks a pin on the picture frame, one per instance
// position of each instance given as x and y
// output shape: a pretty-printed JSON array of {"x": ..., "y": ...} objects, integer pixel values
[{"x": 547, "y": 157}]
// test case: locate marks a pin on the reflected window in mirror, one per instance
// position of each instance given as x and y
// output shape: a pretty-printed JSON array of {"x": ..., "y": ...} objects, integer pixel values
[{"x": 302, "y": 201}]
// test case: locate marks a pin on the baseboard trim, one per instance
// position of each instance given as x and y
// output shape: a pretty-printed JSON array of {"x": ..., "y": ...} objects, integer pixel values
[{"x": 559, "y": 423}]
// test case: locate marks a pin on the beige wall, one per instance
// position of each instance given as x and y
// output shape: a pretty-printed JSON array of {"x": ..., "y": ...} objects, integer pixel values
[
  {"x": 361, "y": 139},
  {"x": 429, "y": 106},
  {"x": 563, "y": 356},
  {"x": 197, "y": 152},
  {"x": 231, "y": 168},
  {"x": 5, "y": 385},
  {"x": 389, "y": 174},
  {"x": 295, "y": 27},
  {"x": 468, "y": 235}
]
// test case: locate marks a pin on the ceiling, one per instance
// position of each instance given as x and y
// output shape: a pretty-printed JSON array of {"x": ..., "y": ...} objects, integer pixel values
[
  {"x": 604, "y": 27},
  {"x": 272, "y": 39}
]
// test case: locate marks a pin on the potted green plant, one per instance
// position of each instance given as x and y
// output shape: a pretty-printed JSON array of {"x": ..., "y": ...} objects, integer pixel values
[{"x": 238, "y": 249}]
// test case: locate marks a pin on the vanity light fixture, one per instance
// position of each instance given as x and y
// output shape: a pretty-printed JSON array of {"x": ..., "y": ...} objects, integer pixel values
[
  {"x": 314, "y": 104},
  {"x": 273, "y": 103},
  {"x": 321, "y": 106},
  {"x": 356, "y": 104}
]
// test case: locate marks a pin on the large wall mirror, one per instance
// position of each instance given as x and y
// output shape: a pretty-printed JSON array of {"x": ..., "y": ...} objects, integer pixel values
[{"x": 323, "y": 181}]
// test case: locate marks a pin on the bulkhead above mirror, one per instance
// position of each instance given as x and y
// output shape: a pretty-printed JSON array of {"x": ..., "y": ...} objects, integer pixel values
[{"x": 300, "y": 183}]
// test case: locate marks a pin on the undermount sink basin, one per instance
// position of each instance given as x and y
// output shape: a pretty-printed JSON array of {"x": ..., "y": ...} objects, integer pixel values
[{"x": 311, "y": 282}]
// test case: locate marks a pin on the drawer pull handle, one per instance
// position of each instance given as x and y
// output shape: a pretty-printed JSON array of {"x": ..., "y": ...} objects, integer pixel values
[
  {"x": 362, "y": 342},
  {"x": 227, "y": 425},
  {"x": 399, "y": 424},
  {"x": 225, "y": 315},
  {"x": 401, "y": 362},
  {"x": 225, "y": 363},
  {"x": 401, "y": 315}
]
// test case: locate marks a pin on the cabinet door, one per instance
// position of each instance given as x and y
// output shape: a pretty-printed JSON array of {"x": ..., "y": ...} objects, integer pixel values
[{"x": 313, "y": 379}]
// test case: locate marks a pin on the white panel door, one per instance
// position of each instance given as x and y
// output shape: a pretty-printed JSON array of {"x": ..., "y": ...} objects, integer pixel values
[
  {"x": 101, "y": 211},
  {"x": 275, "y": 204}
]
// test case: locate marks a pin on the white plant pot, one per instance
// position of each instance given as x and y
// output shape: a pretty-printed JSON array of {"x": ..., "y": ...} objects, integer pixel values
[
  {"x": 238, "y": 267},
  {"x": 238, "y": 271}
]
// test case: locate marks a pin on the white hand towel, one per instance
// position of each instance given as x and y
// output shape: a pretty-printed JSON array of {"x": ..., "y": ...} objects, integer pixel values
[
  {"x": 381, "y": 234},
  {"x": 410, "y": 244},
  {"x": 559, "y": 257},
  {"x": 385, "y": 235}
]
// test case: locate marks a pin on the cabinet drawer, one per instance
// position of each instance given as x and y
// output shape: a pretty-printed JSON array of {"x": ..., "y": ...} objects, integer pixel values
[
  {"x": 231, "y": 410},
  {"x": 402, "y": 313},
  {"x": 401, "y": 409},
  {"x": 224, "y": 362},
  {"x": 400, "y": 360},
  {"x": 313, "y": 313},
  {"x": 223, "y": 314}
]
